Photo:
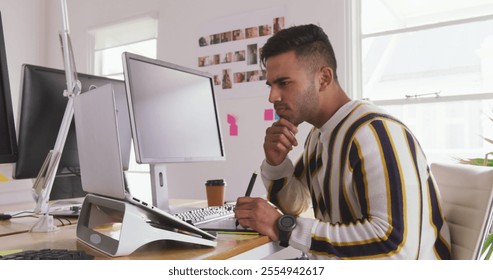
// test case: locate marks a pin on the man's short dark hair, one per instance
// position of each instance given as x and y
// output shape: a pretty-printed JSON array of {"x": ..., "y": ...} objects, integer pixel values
[{"x": 309, "y": 42}]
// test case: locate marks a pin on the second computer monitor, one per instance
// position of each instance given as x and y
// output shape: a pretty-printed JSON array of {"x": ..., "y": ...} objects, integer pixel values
[{"x": 41, "y": 110}]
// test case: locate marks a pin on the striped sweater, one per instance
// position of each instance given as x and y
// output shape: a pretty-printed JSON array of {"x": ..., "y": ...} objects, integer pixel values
[{"x": 370, "y": 187}]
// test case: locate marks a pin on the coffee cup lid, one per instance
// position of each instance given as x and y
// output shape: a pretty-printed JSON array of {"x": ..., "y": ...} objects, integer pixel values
[{"x": 215, "y": 182}]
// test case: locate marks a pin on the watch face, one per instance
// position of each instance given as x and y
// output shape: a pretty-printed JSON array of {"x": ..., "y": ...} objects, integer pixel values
[{"x": 287, "y": 222}]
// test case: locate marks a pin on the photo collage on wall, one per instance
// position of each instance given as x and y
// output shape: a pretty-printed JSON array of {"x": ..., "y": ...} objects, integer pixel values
[{"x": 232, "y": 55}]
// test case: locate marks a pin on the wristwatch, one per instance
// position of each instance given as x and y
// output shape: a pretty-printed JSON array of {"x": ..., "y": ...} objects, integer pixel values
[{"x": 285, "y": 224}]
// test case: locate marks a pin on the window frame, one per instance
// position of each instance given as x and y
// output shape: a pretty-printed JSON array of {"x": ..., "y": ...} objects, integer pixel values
[{"x": 355, "y": 38}]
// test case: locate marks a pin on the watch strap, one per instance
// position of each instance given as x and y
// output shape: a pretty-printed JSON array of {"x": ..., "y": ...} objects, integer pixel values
[{"x": 284, "y": 238}]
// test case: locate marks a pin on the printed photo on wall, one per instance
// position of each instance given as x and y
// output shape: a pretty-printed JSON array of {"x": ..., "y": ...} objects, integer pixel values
[
  {"x": 252, "y": 54},
  {"x": 227, "y": 83},
  {"x": 229, "y": 48}
]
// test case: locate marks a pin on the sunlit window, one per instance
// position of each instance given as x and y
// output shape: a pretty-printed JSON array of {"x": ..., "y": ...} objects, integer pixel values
[
  {"x": 430, "y": 63},
  {"x": 137, "y": 36}
]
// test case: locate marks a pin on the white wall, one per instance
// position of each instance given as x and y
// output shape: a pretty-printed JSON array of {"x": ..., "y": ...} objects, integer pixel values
[
  {"x": 179, "y": 22},
  {"x": 24, "y": 28}
]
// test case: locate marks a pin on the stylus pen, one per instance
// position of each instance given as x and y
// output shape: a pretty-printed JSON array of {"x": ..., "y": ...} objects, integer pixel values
[
  {"x": 249, "y": 189},
  {"x": 250, "y": 185}
]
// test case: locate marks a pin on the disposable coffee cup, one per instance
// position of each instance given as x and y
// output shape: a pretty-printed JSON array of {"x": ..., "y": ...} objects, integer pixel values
[{"x": 215, "y": 192}]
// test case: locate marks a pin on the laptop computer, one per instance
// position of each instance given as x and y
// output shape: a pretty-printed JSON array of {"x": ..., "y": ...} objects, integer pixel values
[{"x": 97, "y": 129}]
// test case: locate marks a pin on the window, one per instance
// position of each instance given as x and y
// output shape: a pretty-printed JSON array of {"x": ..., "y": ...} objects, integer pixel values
[
  {"x": 137, "y": 36},
  {"x": 430, "y": 63}
]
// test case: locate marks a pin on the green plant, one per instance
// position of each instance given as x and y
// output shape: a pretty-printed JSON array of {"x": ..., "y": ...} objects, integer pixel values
[{"x": 487, "y": 247}]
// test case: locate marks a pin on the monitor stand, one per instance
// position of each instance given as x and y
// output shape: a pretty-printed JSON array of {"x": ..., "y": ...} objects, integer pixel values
[
  {"x": 159, "y": 187},
  {"x": 118, "y": 228}
]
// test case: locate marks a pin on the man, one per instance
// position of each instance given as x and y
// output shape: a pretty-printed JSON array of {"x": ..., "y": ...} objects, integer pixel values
[{"x": 362, "y": 171}]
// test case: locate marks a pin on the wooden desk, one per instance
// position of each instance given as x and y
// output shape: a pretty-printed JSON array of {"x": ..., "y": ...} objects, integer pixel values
[
  {"x": 14, "y": 235},
  {"x": 228, "y": 246}
]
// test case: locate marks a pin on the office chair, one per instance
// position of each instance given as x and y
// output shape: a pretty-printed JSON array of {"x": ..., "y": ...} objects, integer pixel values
[{"x": 467, "y": 200}]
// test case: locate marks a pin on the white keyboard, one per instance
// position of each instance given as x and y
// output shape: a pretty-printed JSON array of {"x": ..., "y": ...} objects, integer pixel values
[{"x": 206, "y": 214}]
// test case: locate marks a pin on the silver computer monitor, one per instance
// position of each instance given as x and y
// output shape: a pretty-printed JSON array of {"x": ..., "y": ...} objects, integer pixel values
[{"x": 173, "y": 112}]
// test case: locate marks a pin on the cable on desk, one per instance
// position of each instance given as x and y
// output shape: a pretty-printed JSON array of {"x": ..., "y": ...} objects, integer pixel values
[
  {"x": 62, "y": 223},
  {"x": 31, "y": 214}
]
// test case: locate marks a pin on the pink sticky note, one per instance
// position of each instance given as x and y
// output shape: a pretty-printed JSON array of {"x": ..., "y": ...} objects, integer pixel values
[
  {"x": 233, "y": 130},
  {"x": 233, "y": 127},
  {"x": 231, "y": 119},
  {"x": 268, "y": 114}
]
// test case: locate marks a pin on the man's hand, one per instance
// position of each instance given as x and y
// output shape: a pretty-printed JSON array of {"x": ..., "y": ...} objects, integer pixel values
[
  {"x": 279, "y": 141},
  {"x": 257, "y": 214}
]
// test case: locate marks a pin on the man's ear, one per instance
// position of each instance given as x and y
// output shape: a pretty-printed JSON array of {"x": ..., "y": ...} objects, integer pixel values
[{"x": 326, "y": 77}]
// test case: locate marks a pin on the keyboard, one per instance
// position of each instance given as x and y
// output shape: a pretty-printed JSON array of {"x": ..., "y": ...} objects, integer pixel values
[
  {"x": 206, "y": 214},
  {"x": 49, "y": 254}
]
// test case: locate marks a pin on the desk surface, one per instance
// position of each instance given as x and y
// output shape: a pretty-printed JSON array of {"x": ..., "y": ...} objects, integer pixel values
[
  {"x": 65, "y": 238},
  {"x": 15, "y": 235}
]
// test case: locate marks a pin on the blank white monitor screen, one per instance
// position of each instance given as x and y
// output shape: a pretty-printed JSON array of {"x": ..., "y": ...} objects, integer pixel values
[{"x": 173, "y": 112}]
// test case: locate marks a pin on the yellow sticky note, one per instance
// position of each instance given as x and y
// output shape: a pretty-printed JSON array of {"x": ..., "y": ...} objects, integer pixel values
[
  {"x": 8, "y": 252},
  {"x": 3, "y": 178}
]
